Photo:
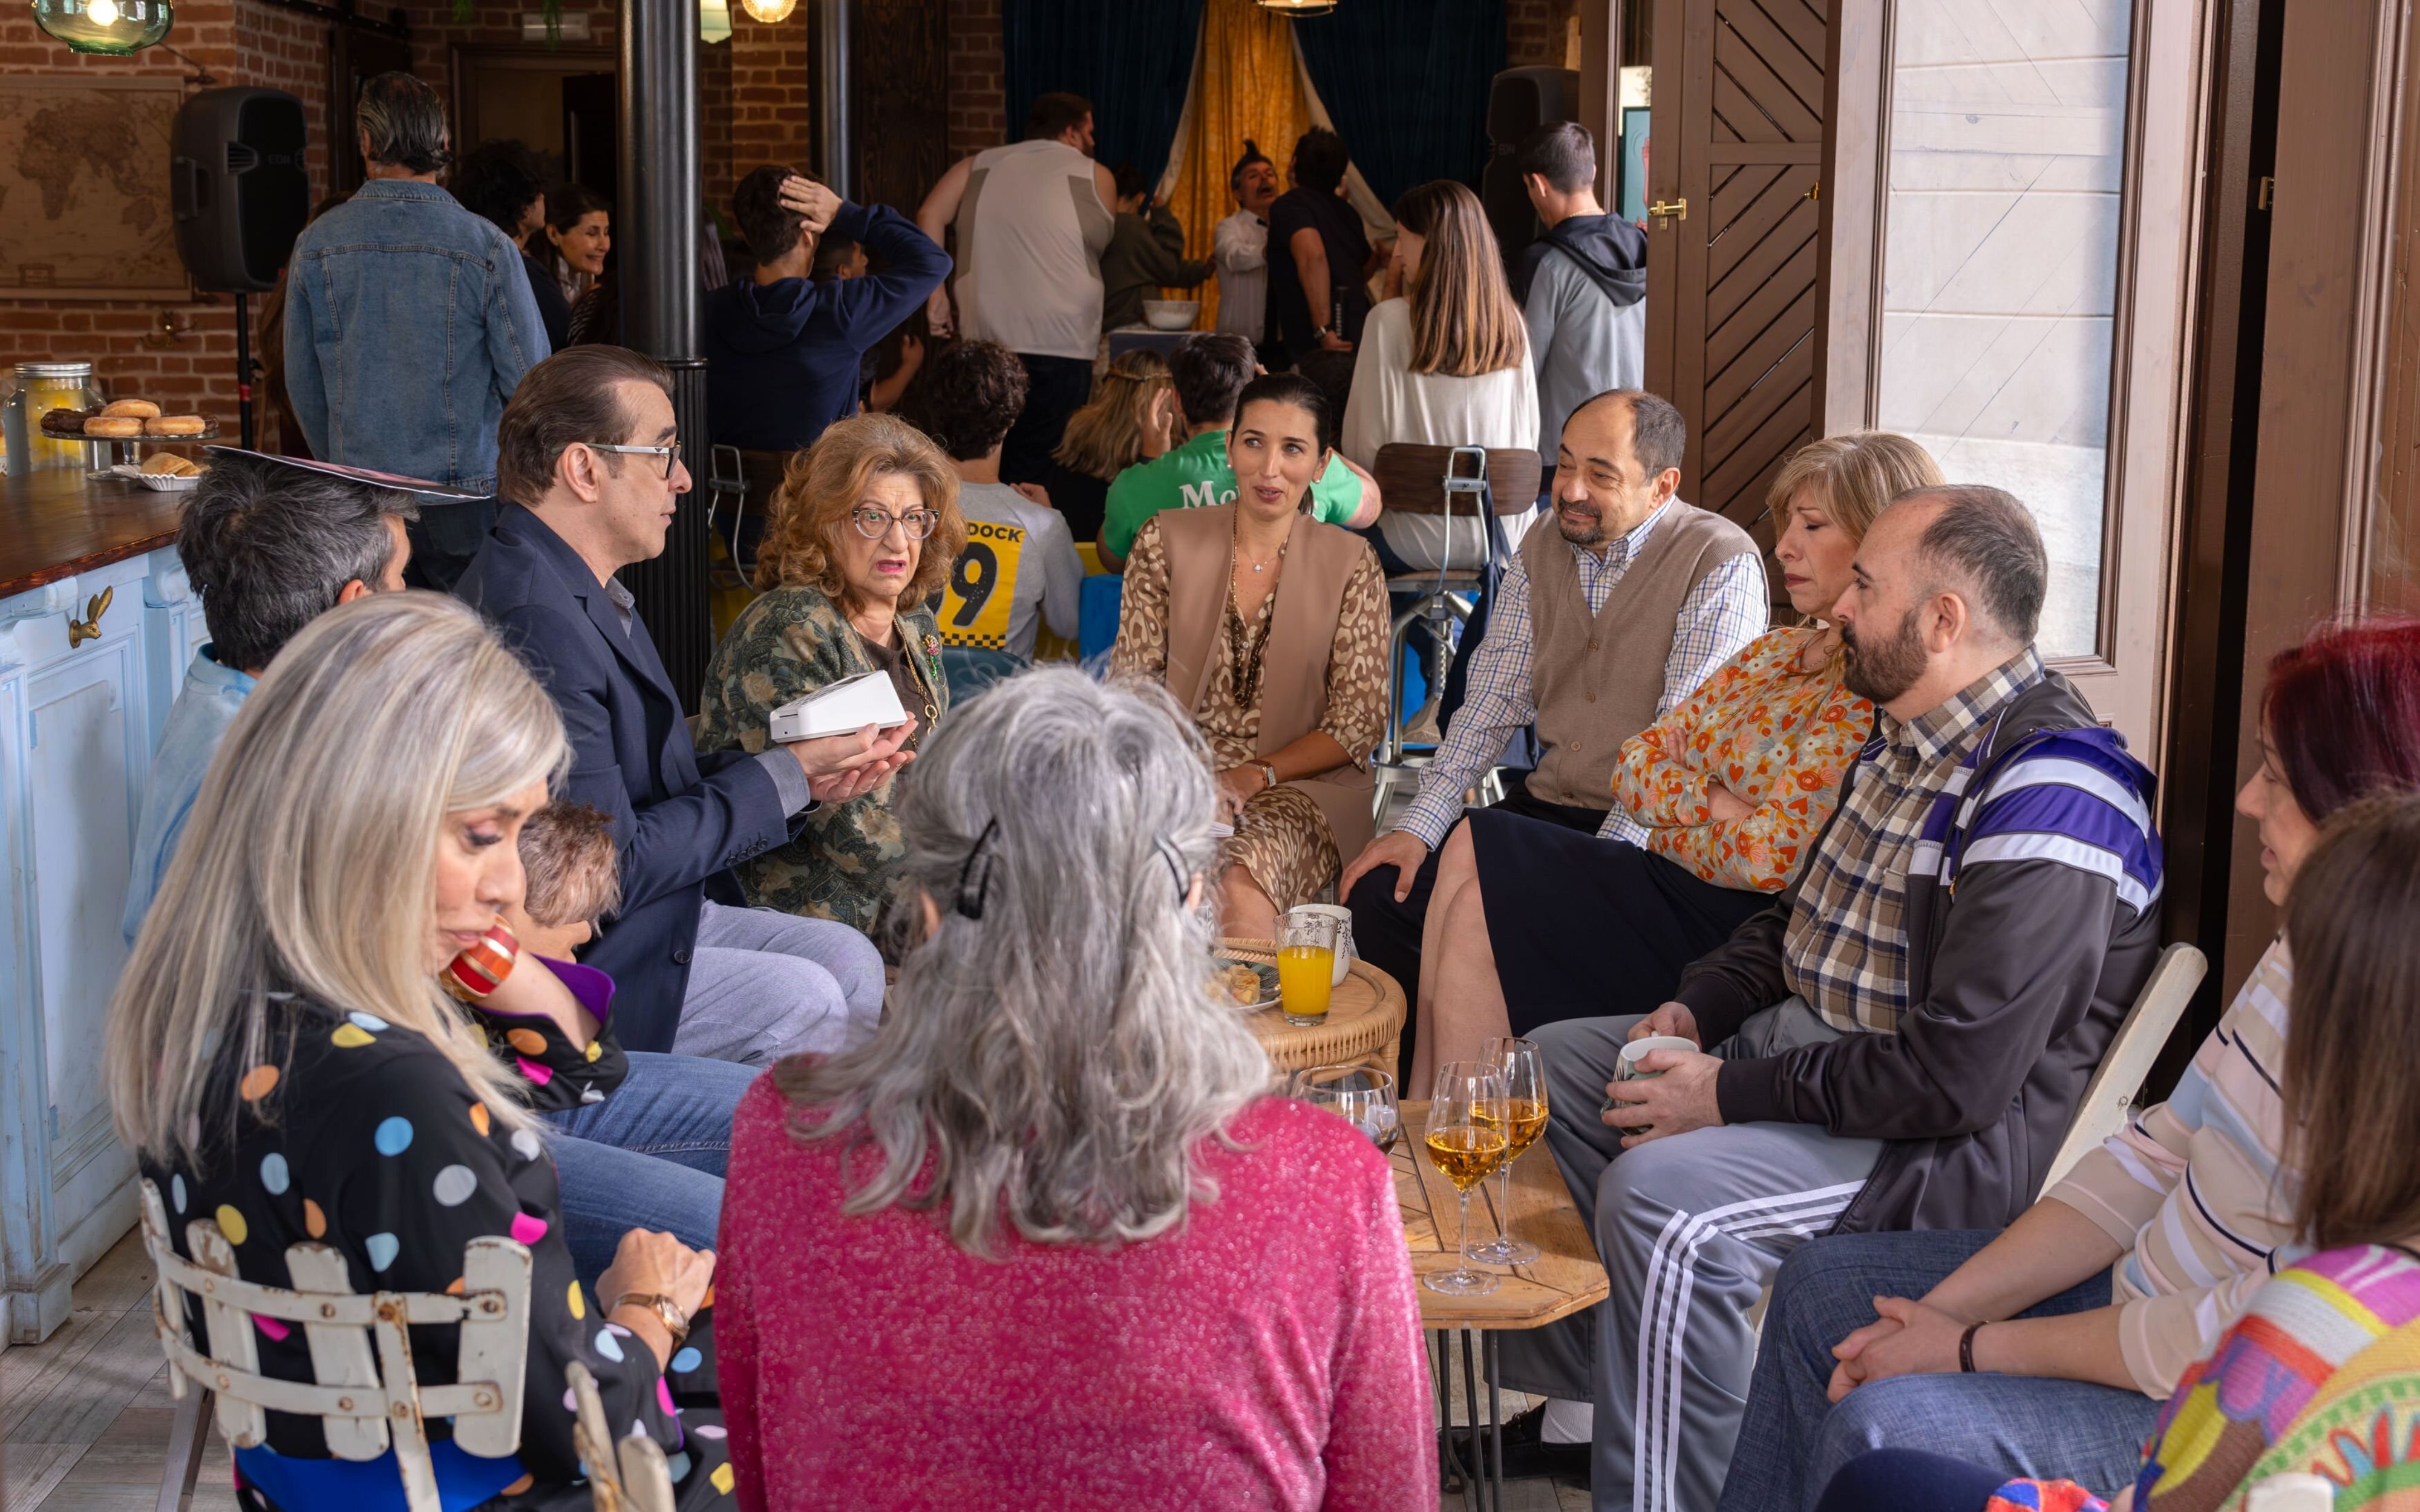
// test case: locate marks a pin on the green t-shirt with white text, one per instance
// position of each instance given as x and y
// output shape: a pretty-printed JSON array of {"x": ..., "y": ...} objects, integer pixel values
[{"x": 1196, "y": 474}]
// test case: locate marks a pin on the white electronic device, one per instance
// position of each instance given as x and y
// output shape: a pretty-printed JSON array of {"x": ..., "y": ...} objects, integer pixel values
[{"x": 840, "y": 708}]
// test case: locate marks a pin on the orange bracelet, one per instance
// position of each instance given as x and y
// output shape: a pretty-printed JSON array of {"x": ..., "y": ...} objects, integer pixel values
[{"x": 480, "y": 969}]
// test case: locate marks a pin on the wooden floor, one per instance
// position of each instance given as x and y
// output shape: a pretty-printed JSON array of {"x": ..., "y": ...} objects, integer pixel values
[{"x": 85, "y": 1416}]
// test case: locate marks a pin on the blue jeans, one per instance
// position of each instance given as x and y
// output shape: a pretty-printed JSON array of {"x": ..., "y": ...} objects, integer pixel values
[
  {"x": 650, "y": 1156},
  {"x": 1793, "y": 1440},
  {"x": 1910, "y": 1480}
]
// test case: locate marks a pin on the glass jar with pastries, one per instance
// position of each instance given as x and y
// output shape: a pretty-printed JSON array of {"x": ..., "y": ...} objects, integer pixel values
[{"x": 35, "y": 388}]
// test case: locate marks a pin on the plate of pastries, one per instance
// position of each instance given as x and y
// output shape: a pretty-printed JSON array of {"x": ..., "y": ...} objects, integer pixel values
[
  {"x": 164, "y": 472},
  {"x": 1247, "y": 983},
  {"x": 127, "y": 420}
]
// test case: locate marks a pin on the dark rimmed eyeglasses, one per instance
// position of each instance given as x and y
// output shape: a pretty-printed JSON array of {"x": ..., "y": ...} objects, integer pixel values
[{"x": 670, "y": 454}]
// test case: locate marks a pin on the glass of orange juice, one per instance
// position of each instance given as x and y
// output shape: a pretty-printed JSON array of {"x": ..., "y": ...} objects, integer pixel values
[{"x": 1306, "y": 965}]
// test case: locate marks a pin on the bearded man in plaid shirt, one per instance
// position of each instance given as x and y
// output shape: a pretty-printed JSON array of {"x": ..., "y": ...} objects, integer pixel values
[{"x": 1900, "y": 1041}]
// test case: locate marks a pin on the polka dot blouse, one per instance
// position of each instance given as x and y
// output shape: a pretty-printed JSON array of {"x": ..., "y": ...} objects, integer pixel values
[
  {"x": 352, "y": 1132},
  {"x": 556, "y": 1075}
]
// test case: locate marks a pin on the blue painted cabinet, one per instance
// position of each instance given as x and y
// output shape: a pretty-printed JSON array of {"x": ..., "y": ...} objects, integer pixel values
[{"x": 89, "y": 666}]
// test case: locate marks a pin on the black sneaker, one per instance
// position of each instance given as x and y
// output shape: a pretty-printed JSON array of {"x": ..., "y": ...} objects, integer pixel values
[{"x": 1526, "y": 1455}]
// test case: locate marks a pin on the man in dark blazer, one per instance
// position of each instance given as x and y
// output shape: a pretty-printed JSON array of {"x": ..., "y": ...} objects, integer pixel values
[{"x": 589, "y": 463}]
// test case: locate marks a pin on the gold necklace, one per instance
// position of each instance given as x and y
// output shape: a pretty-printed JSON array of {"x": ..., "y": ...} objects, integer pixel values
[{"x": 1236, "y": 539}]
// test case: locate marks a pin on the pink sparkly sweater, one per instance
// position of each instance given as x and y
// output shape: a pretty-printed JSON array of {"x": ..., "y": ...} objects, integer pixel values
[{"x": 1267, "y": 1354}]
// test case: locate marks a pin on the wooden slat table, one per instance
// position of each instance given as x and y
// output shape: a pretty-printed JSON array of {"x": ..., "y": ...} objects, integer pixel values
[
  {"x": 1564, "y": 1278},
  {"x": 1364, "y": 1027}
]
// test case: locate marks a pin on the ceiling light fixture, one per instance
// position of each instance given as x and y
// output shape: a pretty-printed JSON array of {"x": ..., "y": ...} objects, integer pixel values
[
  {"x": 1299, "y": 8},
  {"x": 111, "y": 27},
  {"x": 768, "y": 11}
]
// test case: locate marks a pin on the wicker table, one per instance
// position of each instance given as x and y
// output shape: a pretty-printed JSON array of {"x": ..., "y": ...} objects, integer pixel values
[
  {"x": 1564, "y": 1278},
  {"x": 1364, "y": 1027}
]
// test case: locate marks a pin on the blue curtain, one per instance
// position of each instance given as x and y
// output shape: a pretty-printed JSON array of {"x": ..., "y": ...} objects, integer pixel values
[
  {"x": 1405, "y": 81},
  {"x": 1131, "y": 58}
]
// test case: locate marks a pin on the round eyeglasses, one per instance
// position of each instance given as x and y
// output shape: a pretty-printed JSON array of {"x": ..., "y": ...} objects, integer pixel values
[{"x": 874, "y": 524}]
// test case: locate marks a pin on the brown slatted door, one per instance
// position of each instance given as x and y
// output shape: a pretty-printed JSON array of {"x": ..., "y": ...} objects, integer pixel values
[{"x": 1738, "y": 133}]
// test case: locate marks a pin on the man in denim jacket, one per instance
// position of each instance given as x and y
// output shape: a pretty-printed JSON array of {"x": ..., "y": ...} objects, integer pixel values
[{"x": 409, "y": 323}]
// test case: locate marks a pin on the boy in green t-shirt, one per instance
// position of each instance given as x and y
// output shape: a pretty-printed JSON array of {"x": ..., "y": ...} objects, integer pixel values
[{"x": 1208, "y": 372}]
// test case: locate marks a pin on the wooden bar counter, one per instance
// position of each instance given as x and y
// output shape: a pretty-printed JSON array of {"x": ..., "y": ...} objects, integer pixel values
[{"x": 57, "y": 522}]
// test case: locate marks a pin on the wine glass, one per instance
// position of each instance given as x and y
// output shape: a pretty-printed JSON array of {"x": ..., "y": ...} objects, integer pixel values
[
  {"x": 1466, "y": 1148},
  {"x": 1521, "y": 1116},
  {"x": 1361, "y": 1097}
]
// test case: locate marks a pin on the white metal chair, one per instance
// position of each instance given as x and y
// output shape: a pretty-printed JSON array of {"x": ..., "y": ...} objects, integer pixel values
[
  {"x": 366, "y": 1404},
  {"x": 2128, "y": 1060},
  {"x": 644, "y": 1483}
]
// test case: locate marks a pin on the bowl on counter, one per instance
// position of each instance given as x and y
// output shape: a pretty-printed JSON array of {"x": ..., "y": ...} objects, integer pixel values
[{"x": 1171, "y": 314}]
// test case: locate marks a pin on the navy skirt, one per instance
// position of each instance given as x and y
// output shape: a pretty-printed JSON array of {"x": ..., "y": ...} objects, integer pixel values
[{"x": 1590, "y": 927}]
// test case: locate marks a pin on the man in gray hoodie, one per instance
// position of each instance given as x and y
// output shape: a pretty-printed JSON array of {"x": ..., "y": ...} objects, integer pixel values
[{"x": 1582, "y": 285}]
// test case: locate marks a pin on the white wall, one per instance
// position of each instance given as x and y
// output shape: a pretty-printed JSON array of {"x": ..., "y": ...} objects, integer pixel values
[{"x": 2007, "y": 119}]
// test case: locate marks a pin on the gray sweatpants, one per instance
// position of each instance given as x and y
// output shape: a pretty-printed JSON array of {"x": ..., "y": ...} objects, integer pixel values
[
  {"x": 1691, "y": 1229},
  {"x": 766, "y": 984}
]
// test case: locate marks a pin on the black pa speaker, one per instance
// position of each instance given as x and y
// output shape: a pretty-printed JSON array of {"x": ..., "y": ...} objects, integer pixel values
[
  {"x": 1518, "y": 103},
  {"x": 238, "y": 187}
]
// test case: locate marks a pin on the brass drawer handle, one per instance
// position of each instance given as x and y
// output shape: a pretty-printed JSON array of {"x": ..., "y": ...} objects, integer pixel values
[{"x": 88, "y": 629}]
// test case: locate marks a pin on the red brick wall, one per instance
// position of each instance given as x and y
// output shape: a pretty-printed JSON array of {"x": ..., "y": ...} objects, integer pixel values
[
  {"x": 715, "y": 107},
  {"x": 237, "y": 43},
  {"x": 772, "y": 113},
  {"x": 1535, "y": 32},
  {"x": 978, "y": 78}
]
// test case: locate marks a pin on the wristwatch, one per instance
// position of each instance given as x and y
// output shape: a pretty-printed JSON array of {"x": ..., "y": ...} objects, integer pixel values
[
  {"x": 667, "y": 1312},
  {"x": 1268, "y": 774}
]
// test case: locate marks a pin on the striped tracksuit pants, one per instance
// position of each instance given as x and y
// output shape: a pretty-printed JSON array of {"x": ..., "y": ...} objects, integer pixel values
[{"x": 1691, "y": 1230}]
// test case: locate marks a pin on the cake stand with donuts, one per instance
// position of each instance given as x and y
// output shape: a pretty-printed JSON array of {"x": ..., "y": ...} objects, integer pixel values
[{"x": 117, "y": 433}]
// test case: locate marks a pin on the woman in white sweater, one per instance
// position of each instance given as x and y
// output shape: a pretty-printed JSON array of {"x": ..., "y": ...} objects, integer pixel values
[{"x": 1444, "y": 365}]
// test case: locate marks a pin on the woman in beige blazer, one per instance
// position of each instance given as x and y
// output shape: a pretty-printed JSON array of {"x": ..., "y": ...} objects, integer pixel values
[{"x": 1271, "y": 627}]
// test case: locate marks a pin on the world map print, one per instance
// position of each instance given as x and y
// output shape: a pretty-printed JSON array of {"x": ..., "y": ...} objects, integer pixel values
[{"x": 84, "y": 188}]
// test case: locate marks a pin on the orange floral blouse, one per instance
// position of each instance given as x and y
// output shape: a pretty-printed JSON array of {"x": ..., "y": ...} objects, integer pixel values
[{"x": 1780, "y": 738}]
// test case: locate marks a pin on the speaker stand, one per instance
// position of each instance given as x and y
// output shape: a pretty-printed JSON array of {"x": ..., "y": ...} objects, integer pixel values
[{"x": 244, "y": 371}]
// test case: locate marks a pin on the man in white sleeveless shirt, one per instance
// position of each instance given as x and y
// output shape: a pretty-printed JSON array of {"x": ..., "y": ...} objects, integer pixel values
[{"x": 1031, "y": 221}]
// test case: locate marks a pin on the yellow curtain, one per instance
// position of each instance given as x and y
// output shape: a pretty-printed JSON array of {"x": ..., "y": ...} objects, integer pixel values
[{"x": 1244, "y": 84}]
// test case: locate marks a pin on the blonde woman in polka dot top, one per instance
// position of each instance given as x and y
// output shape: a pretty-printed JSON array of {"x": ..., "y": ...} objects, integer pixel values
[
  {"x": 1530, "y": 923},
  {"x": 283, "y": 1061}
]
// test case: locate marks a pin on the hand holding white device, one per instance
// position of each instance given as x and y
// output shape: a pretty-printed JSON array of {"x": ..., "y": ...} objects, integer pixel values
[{"x": 840, "y": 708}]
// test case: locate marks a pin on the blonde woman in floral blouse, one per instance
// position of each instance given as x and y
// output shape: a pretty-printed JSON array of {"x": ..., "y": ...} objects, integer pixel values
[
  {"x": 1271, "y": 629},
  {"x": 1532, "y": 923},
  {"x": 863, "y": 530}
]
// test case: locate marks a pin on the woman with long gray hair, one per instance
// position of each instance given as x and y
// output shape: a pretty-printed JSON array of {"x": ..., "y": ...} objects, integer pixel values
[
  {"x": 284, "y": 1063},
  {"x": 1043, "y": 1242}
]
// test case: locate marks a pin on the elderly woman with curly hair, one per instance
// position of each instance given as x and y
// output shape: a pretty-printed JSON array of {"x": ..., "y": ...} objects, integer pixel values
[{"x": 863, "y": 530}]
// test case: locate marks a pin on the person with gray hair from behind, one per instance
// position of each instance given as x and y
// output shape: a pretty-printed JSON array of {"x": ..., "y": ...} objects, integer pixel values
[
  {"x": 409, "y": 322},
  {"x": 1900, "y": 1041},
  {"x": 270, "y": 547},
  {"x": 1052, "y": 1193}
]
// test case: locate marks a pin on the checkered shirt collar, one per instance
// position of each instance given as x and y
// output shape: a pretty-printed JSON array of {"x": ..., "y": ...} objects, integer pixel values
[
  {"x": 1622, "y": 548},
  {"x": 1946, "y": 730}
]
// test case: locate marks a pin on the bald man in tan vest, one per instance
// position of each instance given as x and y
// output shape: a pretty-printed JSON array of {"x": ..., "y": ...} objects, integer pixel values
[{"x": 1611, "y": 613}]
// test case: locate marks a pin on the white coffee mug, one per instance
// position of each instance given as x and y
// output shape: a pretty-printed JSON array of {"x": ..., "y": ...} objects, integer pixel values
[
  {"x": 1637, "y": 1050},
  {"x": 1626, "y": 1065},
  {"x": 1343, "y": 918}
]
